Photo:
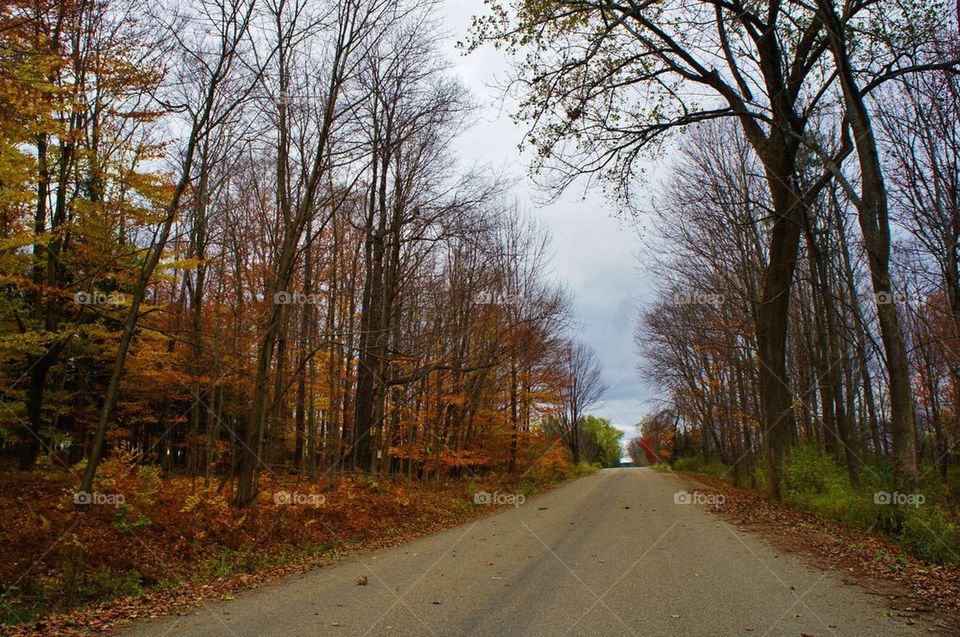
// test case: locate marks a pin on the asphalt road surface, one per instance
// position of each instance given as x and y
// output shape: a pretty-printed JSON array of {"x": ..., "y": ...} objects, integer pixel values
[{"x": 609, "y": 554}]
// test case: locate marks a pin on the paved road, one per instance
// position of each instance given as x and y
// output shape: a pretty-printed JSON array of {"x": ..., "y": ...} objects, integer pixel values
[{"x": 610, "y": 554}]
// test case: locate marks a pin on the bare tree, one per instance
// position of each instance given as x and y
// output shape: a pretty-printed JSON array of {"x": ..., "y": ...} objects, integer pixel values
[{"x": 581, "y": 387}]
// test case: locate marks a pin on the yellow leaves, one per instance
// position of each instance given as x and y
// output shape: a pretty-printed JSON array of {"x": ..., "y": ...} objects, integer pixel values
[
  {"x": 22, "y": 240},
  {"x": 182, "y": 264},
  {"x": 17, "y": 170},
  {"x": 154, "y": 186},
  {"x": 15, "y": 344},
  {"x": 191, "y": 503}
]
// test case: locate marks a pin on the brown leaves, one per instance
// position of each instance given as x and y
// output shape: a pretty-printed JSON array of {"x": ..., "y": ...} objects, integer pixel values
[{"x": 196, "y": 546}]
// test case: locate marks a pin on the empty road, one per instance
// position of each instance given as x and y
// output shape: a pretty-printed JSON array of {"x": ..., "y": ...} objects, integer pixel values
[{"x": 609, "y": 554}]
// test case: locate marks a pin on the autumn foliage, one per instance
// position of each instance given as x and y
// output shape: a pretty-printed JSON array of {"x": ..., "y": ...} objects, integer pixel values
[{"x": 223, "y": 277}]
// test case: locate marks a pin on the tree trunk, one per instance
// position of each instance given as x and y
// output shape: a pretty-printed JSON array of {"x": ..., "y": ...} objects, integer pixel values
[{"x": 874, "y": 225}]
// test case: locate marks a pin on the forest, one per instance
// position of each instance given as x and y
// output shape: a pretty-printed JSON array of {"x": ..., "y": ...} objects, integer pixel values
[
  {"x": 236, "y": 240},
  {"x": 804, "y": 235},
  {"x": 236, "y": 245},
  {"x": 256, "y": 307}
]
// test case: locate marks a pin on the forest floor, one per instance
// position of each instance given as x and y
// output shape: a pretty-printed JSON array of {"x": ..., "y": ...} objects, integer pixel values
[
  {"x": 148, "y": 546},
  {"x": 912, "y": 588}
]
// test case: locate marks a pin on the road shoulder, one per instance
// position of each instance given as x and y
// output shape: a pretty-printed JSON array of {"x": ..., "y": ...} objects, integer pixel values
[{"x": 909, "y": 588}]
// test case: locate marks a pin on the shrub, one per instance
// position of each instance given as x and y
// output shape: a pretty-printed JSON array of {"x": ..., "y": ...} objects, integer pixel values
[
  {"x": 584, "y": 469},
  {"x": 552, "y": 466},
  {"x": 716, "y": 469},
  {"x": 953, "y": 482},
  {"x": 692, "y": 464},
  {"x": 810, "y": 472},
  {"x": 816, "y": 482},
  {"x": 125, "y": 523},
  {"x": 760, "y": 478},
  {"x": 696, "y": 464},
  {"x": 877, "y": 476},
  {"x": 932, "y": 485},
  {"x": 928, "y": 534}
]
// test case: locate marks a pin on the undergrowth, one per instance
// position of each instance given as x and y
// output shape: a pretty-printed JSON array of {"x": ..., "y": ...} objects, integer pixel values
[{"x": 923, "y": 523}]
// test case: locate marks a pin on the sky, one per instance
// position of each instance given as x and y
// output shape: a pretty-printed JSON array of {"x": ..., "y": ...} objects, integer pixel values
[{"x": 595, "y": 253}]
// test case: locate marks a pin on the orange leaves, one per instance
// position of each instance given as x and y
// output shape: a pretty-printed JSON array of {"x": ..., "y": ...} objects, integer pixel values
[
  {"x": 553, "y": 464},
  {"x": 456, "y": 398},
  {"x": 408, "y": 452},
  {"x": 459, "y": 459}
]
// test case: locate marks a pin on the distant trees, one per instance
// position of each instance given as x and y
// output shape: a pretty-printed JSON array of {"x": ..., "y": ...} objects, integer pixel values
[
  {"x": 600, "y": 442},
  {"x": 636, "y": 453},
  {"x": 657, "y": 440},
  {"x": 581, "y": 387}
]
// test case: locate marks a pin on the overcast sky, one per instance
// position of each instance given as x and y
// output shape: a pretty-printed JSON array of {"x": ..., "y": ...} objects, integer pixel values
[{"x": 596, "y": 254}]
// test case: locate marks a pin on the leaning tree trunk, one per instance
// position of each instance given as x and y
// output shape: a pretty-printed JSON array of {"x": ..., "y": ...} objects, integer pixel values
[{"x": 875, "y": 227}]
